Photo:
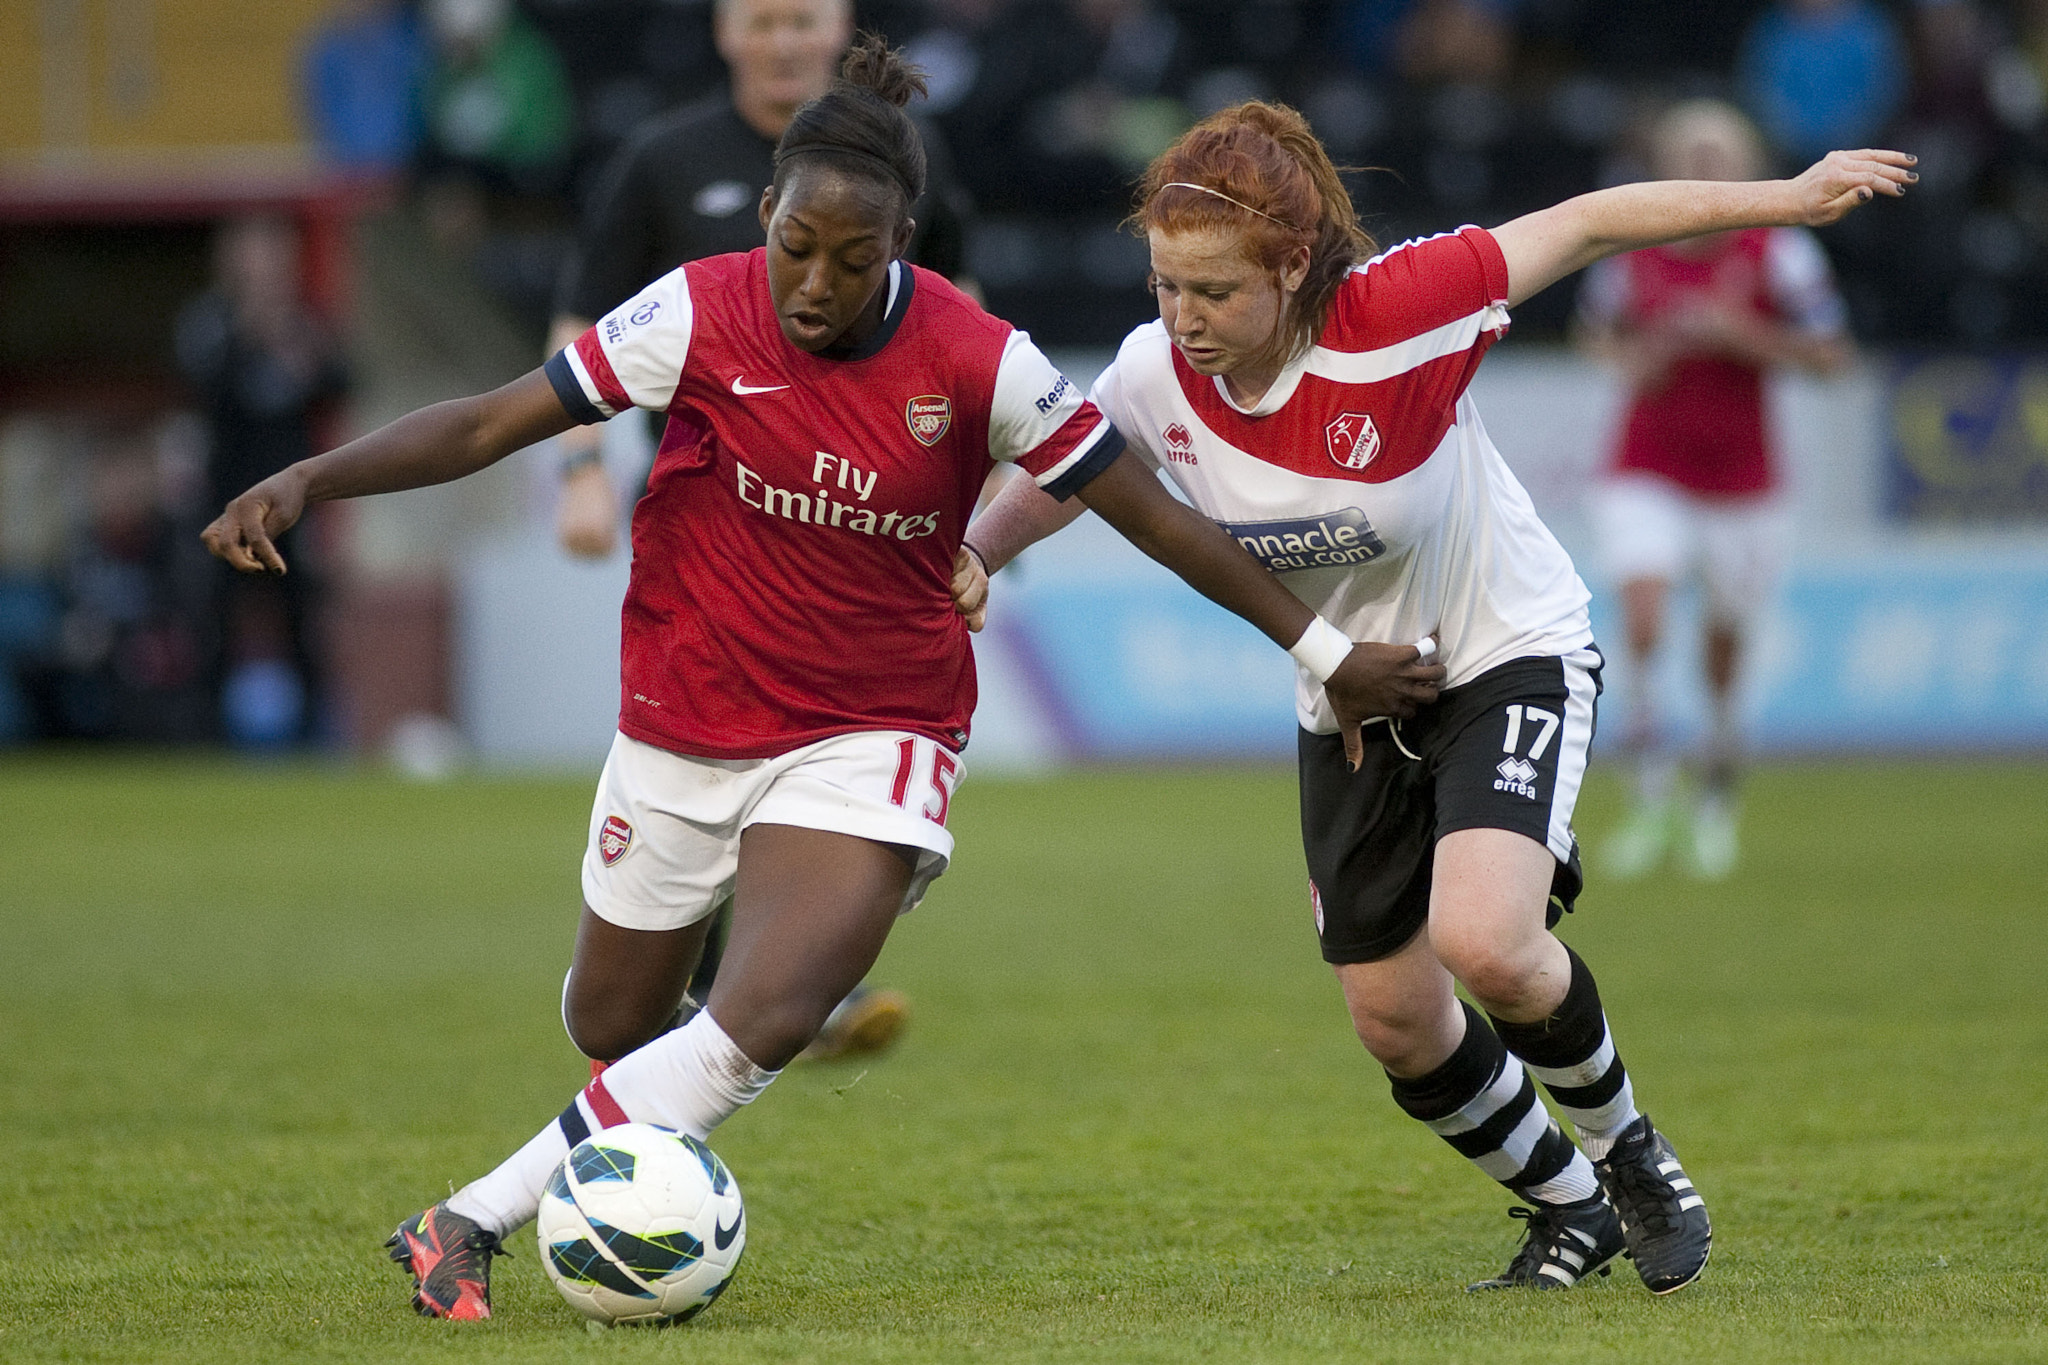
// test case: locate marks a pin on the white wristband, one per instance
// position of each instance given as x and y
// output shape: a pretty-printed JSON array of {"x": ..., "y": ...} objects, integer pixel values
[{"x": 1321, "y": 649}]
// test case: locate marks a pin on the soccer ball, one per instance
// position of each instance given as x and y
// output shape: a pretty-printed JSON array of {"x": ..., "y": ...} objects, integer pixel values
[{"x": 641, "y": 1225}]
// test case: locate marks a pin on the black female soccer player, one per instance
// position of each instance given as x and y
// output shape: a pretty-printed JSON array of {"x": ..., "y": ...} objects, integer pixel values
[
  {"x": 795, "y": 683},
  {"x": 1313, "y": 402}
]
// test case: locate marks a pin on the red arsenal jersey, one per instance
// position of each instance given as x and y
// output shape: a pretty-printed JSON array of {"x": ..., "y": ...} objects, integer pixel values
[
  {"x": 793, "y": 553},
  {"x": 1703, "y": 427}
]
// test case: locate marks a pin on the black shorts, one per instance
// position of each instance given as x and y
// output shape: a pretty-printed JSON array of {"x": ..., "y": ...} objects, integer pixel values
[{"x": 1506, "y": 750}]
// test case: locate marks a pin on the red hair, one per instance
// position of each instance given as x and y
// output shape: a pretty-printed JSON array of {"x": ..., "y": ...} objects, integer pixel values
[{"x": 1260, "y": 174}]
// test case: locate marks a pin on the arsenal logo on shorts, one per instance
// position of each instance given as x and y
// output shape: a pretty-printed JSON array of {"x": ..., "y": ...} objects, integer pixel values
[
  {"x": 928, "y": 416},
  {"x": 613, "y": 839},
  {"x": 1353, "y": 439}
]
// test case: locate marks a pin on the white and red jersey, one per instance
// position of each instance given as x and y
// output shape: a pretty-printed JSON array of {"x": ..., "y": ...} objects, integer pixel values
[
  {"x": 1703, "y": 427},
  {"x": 1363, "y": 477},
  {"x": 793, "y": 553}
]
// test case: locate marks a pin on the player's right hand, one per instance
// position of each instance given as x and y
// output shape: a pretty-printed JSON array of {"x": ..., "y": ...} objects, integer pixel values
[
  {"x": 970, "y": 588},
  {"x": 587, "y": 522},
  {"x": 245, "y": 534},
  {"x": 1379, "y": 680}
]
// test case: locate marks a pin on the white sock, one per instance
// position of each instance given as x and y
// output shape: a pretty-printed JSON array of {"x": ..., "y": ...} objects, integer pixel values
[
  {"x": 1575, "y": 1182},
  {"x": 510, "y": 1195},
  {"x": 691, "y": 1080}
]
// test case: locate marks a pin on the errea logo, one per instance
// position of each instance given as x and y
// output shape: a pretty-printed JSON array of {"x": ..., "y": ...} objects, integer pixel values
[
  {"x": 1352, "y": 439},
  {"x": 1517, "y": 775},
  {"x": 1180, "y": 444}
]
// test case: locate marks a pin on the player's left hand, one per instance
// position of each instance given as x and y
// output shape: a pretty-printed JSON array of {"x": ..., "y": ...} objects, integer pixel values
[
  {"x": 970, "y": 588},
  {"x": 1840, "y": 181}
]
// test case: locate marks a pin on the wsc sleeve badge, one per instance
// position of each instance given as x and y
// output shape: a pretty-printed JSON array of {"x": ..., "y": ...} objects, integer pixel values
[{"x": 613, "y": 839}]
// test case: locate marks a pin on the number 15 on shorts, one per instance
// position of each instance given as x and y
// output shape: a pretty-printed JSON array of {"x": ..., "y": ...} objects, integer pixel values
[{"x": 936, "y": 791}]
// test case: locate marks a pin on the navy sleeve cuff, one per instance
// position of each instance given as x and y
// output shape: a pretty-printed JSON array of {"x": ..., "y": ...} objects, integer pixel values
[
  {"x": 574, "y": 401},
  {"x": 1080, "y": 473}
]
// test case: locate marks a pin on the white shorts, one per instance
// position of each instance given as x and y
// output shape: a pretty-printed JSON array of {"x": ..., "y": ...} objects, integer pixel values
[
  {"x": 665, "y": 829},
  {"x": 1651, "y": 528}
]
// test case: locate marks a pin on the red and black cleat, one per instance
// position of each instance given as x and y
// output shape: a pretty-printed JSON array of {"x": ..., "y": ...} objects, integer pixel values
[{"x": 449, "y": 1258}]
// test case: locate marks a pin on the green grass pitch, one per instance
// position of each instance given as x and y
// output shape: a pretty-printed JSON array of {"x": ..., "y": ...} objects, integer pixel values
[{"x": 253, "y": 1016}]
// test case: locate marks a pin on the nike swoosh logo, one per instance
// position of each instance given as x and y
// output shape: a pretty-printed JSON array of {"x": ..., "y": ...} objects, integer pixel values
[
  {"x": 723, "y": 1235},
  {"x": 742, "y": 388}
]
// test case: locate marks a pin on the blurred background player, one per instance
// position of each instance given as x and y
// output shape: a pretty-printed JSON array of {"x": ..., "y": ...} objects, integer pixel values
[
  {"x": 685, "y": 186},
  {"x": 1693, "y": 490},
  {"x": 265, "y": 371}
]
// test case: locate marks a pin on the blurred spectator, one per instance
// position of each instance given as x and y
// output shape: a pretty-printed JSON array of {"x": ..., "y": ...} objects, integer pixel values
[
  {"x": 1457, "y": 41},
  {"x": 1053, "y": 108},
  {"x": 362, "y": 77},
  {"x": 498, "y": 102},
  {"x": 128, "y": 660},
  {"x": 1822, "y": 74},
  {"x": 263, "y": 366}
]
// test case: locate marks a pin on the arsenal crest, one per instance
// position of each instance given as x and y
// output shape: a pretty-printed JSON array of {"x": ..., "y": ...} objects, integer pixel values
[
  {"x": 1353, "y": 440},
  {"x": 613, "y": 839},
  {"x": 928, "y": 416}
]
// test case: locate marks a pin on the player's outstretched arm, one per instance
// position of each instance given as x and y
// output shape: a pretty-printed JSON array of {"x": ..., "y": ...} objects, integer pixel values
[
  {"x": 437, "y": 444},
  {"x": 1543, "y": 247}
]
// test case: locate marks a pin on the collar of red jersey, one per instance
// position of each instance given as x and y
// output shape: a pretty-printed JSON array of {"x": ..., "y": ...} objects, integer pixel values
[{"x": 1276, "y": 396}]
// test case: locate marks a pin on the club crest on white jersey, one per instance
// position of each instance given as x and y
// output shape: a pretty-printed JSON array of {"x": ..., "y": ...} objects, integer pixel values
[{"x": 1353, "y": 439}]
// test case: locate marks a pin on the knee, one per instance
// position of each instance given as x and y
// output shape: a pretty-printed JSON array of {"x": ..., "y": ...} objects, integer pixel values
[
  {"x": 1501, "y": 978},
  {"x": 1407, "y": 1039}
]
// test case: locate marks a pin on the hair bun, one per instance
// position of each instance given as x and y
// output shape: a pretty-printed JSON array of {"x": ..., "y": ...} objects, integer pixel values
[{"x": 883, "y": 71}]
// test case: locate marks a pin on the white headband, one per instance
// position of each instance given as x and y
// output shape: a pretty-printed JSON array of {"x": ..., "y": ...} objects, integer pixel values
[{"x": 1184, "y": 185}]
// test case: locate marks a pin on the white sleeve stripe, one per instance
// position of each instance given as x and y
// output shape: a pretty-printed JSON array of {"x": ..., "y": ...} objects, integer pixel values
[
  {"x": 1404, "y": 246},
  {"x": 1372, "y": 367},
  {"x": 647, "y": 340},
  {"x": 1094, "y": 438},
  {"x": 590, "y": 389}
]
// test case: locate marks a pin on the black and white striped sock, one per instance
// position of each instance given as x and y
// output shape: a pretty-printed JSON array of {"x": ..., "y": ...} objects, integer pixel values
[
  {"x": 1483, "y": 1103},
  {"x": 1573, "y": 1054}
]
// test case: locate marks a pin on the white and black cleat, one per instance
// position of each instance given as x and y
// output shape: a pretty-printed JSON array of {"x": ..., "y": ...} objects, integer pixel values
[
  {"x": 1662, "y": 1215},
  {"x": 1565, "y": 1243}
]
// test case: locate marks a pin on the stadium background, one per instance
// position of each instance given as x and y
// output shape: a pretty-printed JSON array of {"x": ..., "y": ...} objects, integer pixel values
[
  {"x": 1917, "y": 612},
  {"x": 263, "y": 993}
]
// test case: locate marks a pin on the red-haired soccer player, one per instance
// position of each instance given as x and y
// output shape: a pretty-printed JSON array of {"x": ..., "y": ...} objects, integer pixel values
[{"x": 1314, "y": 402}]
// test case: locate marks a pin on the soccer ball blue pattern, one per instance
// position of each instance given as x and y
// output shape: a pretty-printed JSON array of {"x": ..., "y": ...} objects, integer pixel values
[{"x": 641, "y": 1225}]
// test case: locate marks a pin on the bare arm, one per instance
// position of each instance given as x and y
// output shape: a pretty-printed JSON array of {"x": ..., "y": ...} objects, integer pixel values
[
  {"x": 437, "y": 444},
  {"x": 1543, "y": 247},
  {"x": 587, "y": 518},
  {"x": 1371, "y": 680},
  {"x": 1018, "y": 517}
]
